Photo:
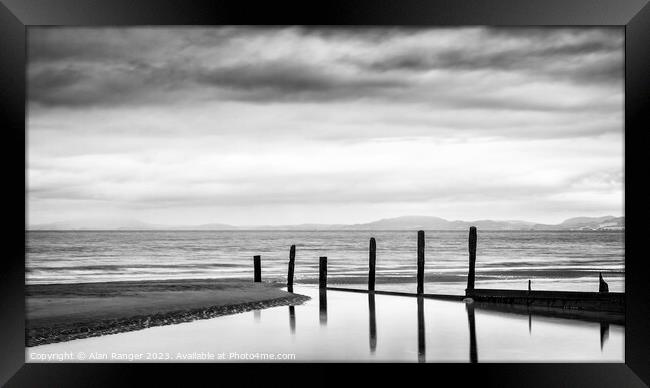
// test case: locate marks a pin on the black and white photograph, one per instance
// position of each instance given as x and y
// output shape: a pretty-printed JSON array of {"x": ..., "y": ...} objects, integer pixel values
[{"x": 286, "y": 194}]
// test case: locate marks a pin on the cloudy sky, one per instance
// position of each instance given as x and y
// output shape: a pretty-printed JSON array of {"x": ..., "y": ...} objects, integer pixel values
[{"x": 299, "y": 125}]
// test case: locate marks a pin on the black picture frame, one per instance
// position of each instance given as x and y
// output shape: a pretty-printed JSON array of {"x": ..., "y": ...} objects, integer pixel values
[{"x": 17, "y": 15}]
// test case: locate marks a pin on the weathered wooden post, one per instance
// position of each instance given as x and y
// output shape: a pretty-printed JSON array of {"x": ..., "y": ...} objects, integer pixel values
[
  {"x": 371, "y": 264},
  {"x": 602, "y": 287},
  {"x": 322, "y": 272},
  {"x": 472, "y": 259},
  {"x": 257, "y": 263},
  {"x": 529, "y": 288},
  {"x": 292, "y": 260},
  {"x": 420, "y": 262}
]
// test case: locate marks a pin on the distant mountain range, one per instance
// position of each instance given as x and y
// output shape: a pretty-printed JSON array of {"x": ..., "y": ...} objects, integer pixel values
[{"x": 398, "y": 223}]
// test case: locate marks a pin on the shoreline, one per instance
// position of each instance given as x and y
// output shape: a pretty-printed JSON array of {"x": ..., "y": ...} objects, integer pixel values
[{"x": 64, "y": 312}]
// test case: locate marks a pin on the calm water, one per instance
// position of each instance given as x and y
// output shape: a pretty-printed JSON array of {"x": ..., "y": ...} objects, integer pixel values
[
  {"x": 552, "y": 260},
  {"x": 356, "y": 327}
]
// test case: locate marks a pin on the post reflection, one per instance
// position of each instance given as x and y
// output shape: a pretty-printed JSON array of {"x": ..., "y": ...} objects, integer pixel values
[
  {"x": 373, "y": 322},
  {"x": 421, "y": 336},
  {"x": 322, "y": 306},
  {"x": 604, "y": 334},
  {"x": 530, "y": 323},
  {"x": 257, "y": 314},
  {"x": 473, "y": 354},
  {"x": 292, "y": 319}
]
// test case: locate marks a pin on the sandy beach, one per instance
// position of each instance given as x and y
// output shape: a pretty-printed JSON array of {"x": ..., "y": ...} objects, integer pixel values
[{"x": 62, "y": 312}]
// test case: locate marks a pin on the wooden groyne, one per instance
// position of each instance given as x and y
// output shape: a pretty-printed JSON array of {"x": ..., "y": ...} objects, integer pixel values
[
  {"x": 601, "y": 301},
  {"x": 566, "y": 303}
]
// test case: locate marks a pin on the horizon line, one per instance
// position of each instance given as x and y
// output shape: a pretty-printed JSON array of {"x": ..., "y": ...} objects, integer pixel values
[{"x": 253, "y": 227}]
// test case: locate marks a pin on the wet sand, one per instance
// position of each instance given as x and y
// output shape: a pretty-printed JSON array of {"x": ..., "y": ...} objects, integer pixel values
[{"x": 62, "y": 312}]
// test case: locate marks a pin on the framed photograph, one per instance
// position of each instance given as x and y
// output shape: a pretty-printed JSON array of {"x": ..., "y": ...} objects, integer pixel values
[{"x": 216, "y": 187}]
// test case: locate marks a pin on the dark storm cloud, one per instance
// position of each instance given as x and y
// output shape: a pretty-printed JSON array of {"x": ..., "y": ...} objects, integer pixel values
[
  {"x": 78, "y": 86},
  {"x": 292, "y": 81},
  {"x": 137, "y": 83},
  {"x": 152, "y": 66},
  {"x": 576, "y": 55},
  {"x": 539, "y": 63}
]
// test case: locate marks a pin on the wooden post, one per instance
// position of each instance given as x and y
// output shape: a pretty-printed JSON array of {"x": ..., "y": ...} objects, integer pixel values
[
  {"x": 292, "y": 260},
  {"x": 322, "y": 272},
  {"x": 257, "y": 263},
  {"x": 371, "y": 264},
  {"x": 602, "y": 287},
  {"x": 420, "y": 262},
  {"x": 529, "y": 288},
  {"x": 472, "y": 258}
]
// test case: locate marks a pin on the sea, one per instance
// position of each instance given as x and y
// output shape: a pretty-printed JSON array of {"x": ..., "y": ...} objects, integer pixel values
[{"x": 551, "y": 260}]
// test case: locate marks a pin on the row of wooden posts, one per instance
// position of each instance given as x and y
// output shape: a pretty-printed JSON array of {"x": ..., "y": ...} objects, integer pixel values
[{"x": 372, "y": 257}]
